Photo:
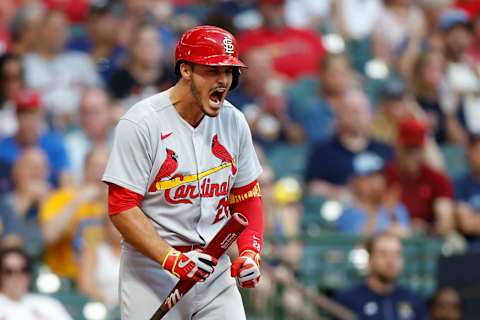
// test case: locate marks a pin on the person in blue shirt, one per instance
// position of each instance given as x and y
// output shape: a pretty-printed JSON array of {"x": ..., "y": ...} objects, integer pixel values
[
  {"x": 467, "y": 195},
  {"x": 330, "y": 164},
  {"x": 374, "y": 209},
  {"x": 100, "y": 38},
  {"x": 30, "y": 117},
  {"x": 313, "y": 101},
  {"x": 380, "y": 297}
]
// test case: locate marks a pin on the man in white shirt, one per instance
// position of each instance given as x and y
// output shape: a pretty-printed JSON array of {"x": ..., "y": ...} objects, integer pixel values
[{"x": 15, "y": 300}]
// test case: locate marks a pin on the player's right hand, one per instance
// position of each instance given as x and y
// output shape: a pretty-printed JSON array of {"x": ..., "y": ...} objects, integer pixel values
[{"x": 192, "y": 265}]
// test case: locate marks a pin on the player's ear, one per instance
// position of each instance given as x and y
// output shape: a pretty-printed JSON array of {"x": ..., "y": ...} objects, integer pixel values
[{"x": 186, "y": 70}]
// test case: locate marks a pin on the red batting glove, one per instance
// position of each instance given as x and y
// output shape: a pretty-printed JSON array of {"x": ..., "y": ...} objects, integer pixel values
[
  {"x": 193, "y": 265},
  {"x": 246, "y": 268}
]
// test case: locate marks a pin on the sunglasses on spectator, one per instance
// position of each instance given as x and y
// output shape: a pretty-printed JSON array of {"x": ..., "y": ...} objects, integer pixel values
[{"x": 11, "y": 271}]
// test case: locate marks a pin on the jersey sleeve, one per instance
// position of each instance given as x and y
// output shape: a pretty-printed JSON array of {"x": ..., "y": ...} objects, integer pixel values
[
  {"x": 130, "y": 160},
  {"x": 247, "y": 163}
]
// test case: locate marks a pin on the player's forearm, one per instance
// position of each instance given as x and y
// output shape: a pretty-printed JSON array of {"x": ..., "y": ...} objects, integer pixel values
[{"x": 137, "y": 230}]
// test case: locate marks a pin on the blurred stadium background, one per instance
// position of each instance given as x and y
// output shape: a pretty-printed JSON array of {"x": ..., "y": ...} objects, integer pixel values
[{"x": 365, "y": 114}]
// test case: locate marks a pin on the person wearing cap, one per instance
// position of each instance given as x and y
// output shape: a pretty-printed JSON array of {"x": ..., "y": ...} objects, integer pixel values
[
  {"x": 31, "y": 133},
  {"x": 463, "y": 79},
  {"x": 395, "y": 105},
  {"x": 467, "y": 195},
  {"x": 426, "y": 192},
  {"x": 373, "y": 209},
  {"x": 182, "y": 163},
  {"x": 381, "y": 296}
]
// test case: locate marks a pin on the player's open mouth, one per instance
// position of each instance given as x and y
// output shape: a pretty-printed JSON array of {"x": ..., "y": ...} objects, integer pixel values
[{"x": 216, "y": 97}]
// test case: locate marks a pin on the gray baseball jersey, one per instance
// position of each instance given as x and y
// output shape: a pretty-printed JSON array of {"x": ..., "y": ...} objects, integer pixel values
[{"x": 184, "y": 173}]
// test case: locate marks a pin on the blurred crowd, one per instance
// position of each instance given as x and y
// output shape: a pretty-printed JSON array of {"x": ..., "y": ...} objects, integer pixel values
[{"x": 380, "y": 95}]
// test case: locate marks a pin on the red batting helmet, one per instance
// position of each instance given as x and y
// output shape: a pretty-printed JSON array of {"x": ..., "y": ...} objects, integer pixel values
[{"x": 211, "y": 46}]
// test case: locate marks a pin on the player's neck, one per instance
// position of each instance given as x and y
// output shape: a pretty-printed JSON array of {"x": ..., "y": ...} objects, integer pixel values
[{"x": 185, "y": 104}]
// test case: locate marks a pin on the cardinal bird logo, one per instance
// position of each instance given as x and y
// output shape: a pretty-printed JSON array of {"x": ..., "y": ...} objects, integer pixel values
[
  {"x": 222, "y": 153},
  {"x": 168, "y": 167}
]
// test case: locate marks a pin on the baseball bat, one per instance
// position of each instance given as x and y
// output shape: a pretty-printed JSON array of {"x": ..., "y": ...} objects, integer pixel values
[{"x": 216, "y": 248}]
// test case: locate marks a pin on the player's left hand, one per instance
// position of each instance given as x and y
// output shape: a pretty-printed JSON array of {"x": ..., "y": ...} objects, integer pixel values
[{"x": 246, "y": 268}]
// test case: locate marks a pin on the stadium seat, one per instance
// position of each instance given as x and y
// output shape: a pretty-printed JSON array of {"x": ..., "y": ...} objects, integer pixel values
[
  {"x": 288, "y": 160},
  {"x": 455, "y": 159}
]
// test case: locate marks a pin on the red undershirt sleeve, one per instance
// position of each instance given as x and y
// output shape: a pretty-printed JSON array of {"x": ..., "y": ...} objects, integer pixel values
[
  {"x": 247, "y": 201},
  {"x": 121, "y": 199}
]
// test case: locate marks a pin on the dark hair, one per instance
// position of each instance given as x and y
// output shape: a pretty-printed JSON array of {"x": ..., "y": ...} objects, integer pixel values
[
  {"x": 433, "y": 299},
  {"x": 473, "y": 139},
  {"x": 4, "y": 252},
  {"x": 4, "y": 60},
  {"x": 329, "y": 58}
]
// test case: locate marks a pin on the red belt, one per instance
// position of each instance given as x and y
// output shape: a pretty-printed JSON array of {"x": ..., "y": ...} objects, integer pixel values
[{"x": 188, "y": 248}]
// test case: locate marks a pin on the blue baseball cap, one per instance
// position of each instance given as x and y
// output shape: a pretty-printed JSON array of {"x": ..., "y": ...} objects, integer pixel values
[
  {"x": 367, "y": 163},
  {"x": 452, "y": 18}
]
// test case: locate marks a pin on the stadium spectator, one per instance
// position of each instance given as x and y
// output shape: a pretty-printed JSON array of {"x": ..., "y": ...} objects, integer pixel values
[
  {"x": 95, "y": 115},
  {"x": 260, "y": 96},
  {"x": 294, "y": 52},
  {"x": 446, "y": 304},
  {"x": 373, "y": 209},
  {"x": 352, "y": 25},
  {"x": 70, "y": 218},
  {"x": 100, "y": 40},
  {"x": 16, "y": 299},
  {"x": 309, "y": 14},
  {"x": 313, "y": 102},
  {"x": 426, "y": 193},
  {"x": 398, "y": 34},
  {"x": 474, "y": 51},
  {"x": 24, "y": 28},
  {"x": 31, "y": 125},
  {"x": 472, "y": 7},
  {"x": 31, "y": 187},
  {"x": 428, "y": 88},
  {"x": 59, "y": 76},
  {"x": 10, "y": 227},
  {"x": 330, "y": 165},
  {"x": 99, "y": 267},
  {"x": 462, "y": 75},
  {"x": 467, "y": 195},
  {"x": 11, "y": 81},
  {"x": 143, "y": 74},
  {"x": 395, "y": 105},
  {"x": 380, "y": 296}
]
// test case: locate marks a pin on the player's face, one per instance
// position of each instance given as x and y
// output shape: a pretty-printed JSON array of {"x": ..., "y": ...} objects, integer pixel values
[{"x": 209, "y": 87}]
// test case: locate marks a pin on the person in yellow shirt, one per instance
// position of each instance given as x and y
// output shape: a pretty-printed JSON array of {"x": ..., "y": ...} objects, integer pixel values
[{"x": 70, "y": 218}]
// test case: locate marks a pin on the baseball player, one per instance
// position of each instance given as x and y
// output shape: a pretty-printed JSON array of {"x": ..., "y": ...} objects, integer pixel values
[{"x": 182, "y": 162}]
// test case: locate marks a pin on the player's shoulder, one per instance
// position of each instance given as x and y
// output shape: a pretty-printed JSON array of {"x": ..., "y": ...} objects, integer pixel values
[{"x": 146, "y": 109}]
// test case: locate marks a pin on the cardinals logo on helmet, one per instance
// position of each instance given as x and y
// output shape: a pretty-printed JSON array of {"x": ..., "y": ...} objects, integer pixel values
[{"x": 222, "y": 153}]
